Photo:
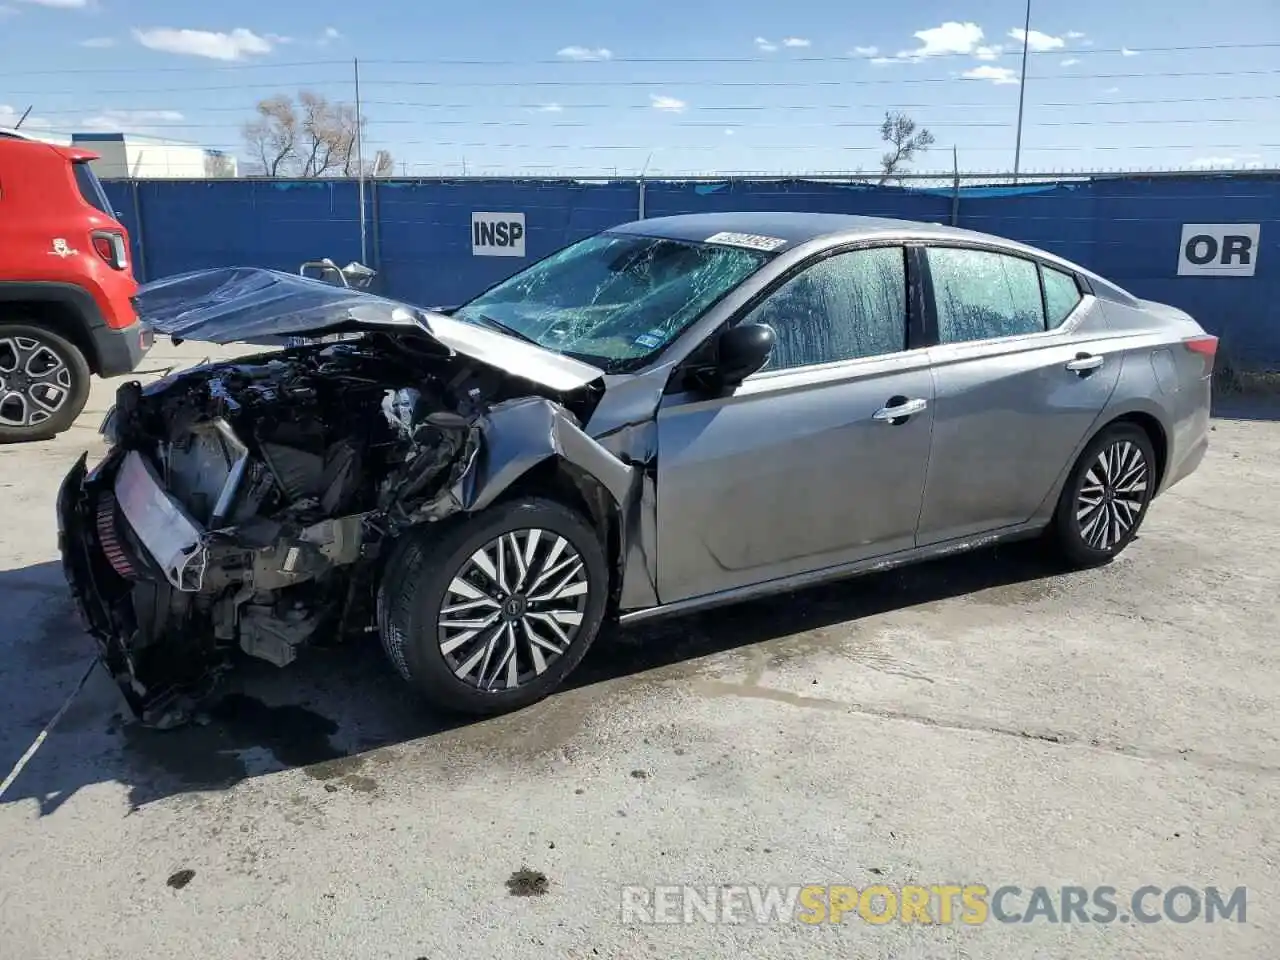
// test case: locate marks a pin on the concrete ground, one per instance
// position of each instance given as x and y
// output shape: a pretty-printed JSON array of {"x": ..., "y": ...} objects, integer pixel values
[{"x": 981, "y": 720}]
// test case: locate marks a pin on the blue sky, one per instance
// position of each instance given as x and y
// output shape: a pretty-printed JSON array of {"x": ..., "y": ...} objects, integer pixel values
[{"x": 579, "y": 87}]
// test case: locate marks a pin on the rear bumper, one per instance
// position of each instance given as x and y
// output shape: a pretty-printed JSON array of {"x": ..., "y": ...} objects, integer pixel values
[{"x": 120, "y": 349}]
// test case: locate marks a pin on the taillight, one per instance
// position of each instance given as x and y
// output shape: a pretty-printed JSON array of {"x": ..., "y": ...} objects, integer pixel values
[
  {"x": 1205, "y": 345},
  {"x": 110, "y": 247}
]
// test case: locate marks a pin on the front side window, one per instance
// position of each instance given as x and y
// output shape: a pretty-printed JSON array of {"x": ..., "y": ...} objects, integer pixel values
[
  {"x": 847, "y": 306},
  {"x": 613, "y": 299},
  {"x": 982, "y": 295}
]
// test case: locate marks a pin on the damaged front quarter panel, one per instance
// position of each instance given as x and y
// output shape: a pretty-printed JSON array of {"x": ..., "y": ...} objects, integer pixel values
[{"x": 250, "y": 503}]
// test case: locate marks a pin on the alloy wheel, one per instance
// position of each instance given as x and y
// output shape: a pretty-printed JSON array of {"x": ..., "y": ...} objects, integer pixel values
[
  {"x": 513, "y": 609},
  {"x": 35, "y": 381},
  {"x": 1112, "y": 495}
]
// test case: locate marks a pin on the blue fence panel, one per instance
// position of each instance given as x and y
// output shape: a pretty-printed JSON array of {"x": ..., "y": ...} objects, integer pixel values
[
  {"x": 195, "y": 224},
  {"x": 808, "y": 196},
  {"x": 1138, "y": 223},
  {"x": 419, "y": 232},
  {"x": 424, "y": 252}
]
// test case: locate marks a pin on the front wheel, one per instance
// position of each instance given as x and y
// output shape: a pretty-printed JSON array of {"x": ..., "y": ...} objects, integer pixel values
[
  {"x": 1105, "y": 499},
  {"x": 44, "y": 383},
  {"x": 492, "y": 612}
]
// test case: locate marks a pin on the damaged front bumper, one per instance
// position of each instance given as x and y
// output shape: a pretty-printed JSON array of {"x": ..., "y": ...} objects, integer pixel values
[
  {"x": 137, "y": 565},
  {"x": 96, "y": 564}
]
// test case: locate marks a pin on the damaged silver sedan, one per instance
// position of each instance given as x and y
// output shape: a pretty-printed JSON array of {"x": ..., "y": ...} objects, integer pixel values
[{"x": 674, "y": 414}]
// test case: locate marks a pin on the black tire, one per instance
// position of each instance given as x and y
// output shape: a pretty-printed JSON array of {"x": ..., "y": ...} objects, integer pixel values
[
  {"x": 424, "y": 570},
  {"x": 69, "y": 378},
  {"x": 1085, "y": 527}
]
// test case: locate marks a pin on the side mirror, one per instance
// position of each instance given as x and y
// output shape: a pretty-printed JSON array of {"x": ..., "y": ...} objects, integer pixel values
[{"x": 741, "y": 351}]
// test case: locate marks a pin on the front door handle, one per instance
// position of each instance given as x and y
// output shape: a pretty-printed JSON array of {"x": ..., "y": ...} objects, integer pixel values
[
  {"x": 1085, "y": 362},
  {"x": 898, "y": 412}
]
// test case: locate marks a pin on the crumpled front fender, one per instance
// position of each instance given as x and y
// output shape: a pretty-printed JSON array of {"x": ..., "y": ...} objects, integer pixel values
[{"x": 520, "y": 434}]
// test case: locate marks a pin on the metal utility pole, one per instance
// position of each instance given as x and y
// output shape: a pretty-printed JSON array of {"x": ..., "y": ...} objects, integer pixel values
[
  {"x": 364, "y": 236},
  {"x": 1022, "y": 93}
]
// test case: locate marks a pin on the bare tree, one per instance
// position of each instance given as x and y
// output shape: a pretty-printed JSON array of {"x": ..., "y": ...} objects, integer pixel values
[
  {"x": 383, "y": 164},
  {"x": 312, "y": 137},
  {"x": 273, "y": 137},
  {"x": 218, "y": 165},
  {"x": 899, "y": 131}
]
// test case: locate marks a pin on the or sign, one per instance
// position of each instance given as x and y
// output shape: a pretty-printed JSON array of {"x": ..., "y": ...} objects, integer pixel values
[
  {"x": 497, "y": 234},
  {"x": 1219, "y": 249}
]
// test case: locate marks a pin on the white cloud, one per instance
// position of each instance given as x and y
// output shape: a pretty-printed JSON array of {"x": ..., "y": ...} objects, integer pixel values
[
  {"x": 551, "y": 108},
  {"x": 865, "y": 51},
  {"x": 767, "y": 46},
  {"x": 98, "y": 43},
  {"x": 235, "y": 45},
  {"x": 279, "y": 40},
  {"x": 1075, "y": 35},
  {"x": 59, "y": 4},
  {"x": 989, "y": 53},
  {"x": 796, "y": 42},
  {"x": 997, "y": 75},
  {"x": 120, "y": 121},
  {"x": 1038, "y": 42},
  {"x": 667, "y": 104},
  {"x": 1070, "y": 62},
  {"x": 728, "y": 132},
  {"x": 1111, "y": 90},
  {"x": 951, "y": 37},
  {"x": 881, "y": 61},
  {"x": 332, "y": 33},
  {"x": 10, "y": 115},
  {"x": 1126, "y": 52},
  {"x": 585, "y": 53}
]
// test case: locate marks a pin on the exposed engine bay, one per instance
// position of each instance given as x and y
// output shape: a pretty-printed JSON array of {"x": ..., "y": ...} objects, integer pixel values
[{"x": 251, "y": 504}]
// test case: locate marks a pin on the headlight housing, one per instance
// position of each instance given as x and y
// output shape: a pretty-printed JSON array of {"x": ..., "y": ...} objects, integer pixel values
[{"x": 108, "y": 428}]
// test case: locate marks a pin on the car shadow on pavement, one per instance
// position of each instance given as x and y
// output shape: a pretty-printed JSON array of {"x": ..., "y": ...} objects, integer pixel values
[{"x": 346, "y": 700}]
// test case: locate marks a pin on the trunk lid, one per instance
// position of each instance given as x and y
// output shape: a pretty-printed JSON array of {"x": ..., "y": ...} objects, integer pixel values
[{"x": 256, "y": 305}]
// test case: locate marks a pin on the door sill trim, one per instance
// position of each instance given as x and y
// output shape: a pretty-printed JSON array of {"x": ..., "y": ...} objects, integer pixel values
[{"x": 813, "y": 578}]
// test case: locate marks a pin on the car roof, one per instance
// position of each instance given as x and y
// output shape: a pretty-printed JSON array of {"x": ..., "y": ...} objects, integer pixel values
[
  {"x": 72, "y": 153},
  {"x": 791, "y": 227}
]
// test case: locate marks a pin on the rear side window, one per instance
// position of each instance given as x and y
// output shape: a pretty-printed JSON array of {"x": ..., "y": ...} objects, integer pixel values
[
  {"x": 1061, "y": 295},
  {"x": 982, "y": 295},
  {"x": 91, "y": 188}
]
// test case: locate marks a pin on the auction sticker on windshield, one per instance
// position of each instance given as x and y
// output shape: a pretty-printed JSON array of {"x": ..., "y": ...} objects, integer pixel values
[{"x": 751, "y": 240}]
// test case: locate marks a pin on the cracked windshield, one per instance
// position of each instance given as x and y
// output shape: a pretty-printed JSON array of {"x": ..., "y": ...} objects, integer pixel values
[{"x": 613, "y": 299}]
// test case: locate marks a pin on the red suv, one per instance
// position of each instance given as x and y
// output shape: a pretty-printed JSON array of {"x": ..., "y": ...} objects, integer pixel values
[{"x": 66, "y": 288}]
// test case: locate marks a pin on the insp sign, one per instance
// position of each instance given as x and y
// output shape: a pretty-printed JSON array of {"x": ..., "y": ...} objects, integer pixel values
[
  {"x": 1218, "y": 249},
  {"x": 497, "y": 234}
]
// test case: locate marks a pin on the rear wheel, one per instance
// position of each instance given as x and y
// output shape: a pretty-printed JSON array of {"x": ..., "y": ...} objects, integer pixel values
[
  {"x": 1105, "y": 499},
  {"x": 44, "y": 383},
  {"x": 493, "y": 612}
]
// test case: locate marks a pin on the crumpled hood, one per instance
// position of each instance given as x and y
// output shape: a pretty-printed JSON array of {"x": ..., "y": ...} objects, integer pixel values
[{"x": 253, "y": 304}]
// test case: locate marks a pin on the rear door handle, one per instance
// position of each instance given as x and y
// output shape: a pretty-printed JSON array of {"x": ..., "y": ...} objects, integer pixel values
[
  {"x": 1085, "y": 362},
  {"x": 899, "y": 411}
]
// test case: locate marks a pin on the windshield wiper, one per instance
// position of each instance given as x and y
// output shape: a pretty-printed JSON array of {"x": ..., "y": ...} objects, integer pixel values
[{"x": 511, "y": 331}]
